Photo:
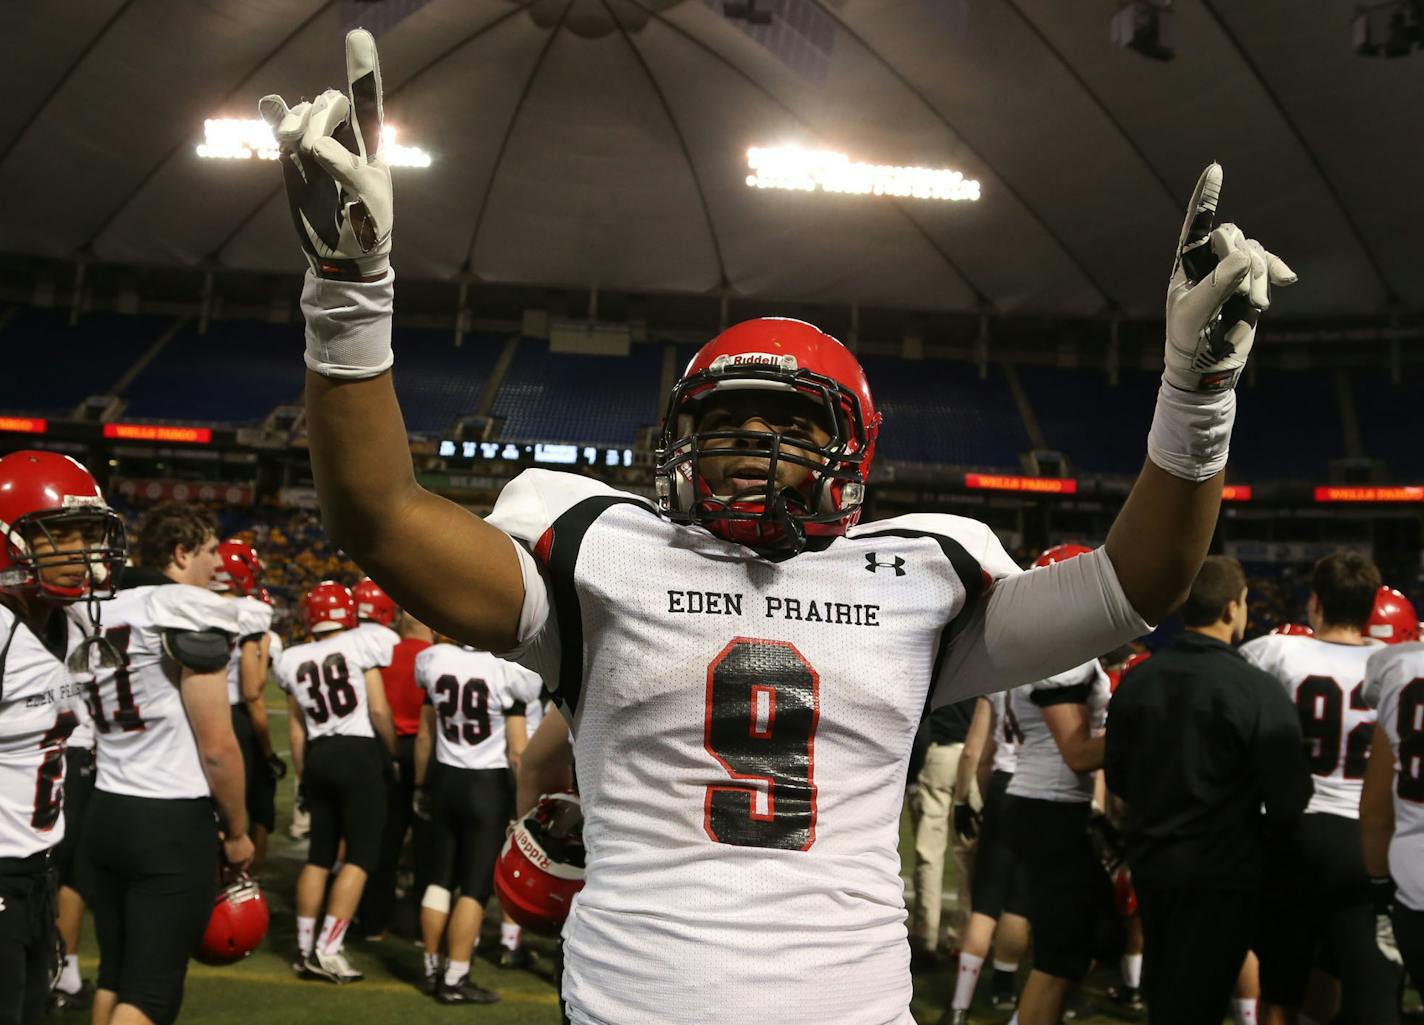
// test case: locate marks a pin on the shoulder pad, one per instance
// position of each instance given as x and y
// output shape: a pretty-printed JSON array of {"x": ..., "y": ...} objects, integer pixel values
[
  {"x": 531, "y": 502},
  {"x": 184, "y": 607},
  {"x": 202, "y": 651}
]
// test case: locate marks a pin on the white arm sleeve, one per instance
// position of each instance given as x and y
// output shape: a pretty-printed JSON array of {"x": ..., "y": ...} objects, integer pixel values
[
  {"x": 349, "y": 325},
  {"x": 1033, "y": 625}
]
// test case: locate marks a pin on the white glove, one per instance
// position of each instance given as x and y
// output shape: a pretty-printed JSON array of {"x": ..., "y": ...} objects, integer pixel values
[
  {"x": 1220, "y": 287},
  {"x": 1384, "y": 939},
  {"x": 338, "y": 187}
]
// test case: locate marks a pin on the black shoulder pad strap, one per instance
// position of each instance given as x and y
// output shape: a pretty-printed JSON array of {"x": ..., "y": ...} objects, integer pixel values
[
  {"x": 202, "y": 651},
  {"x": 5, "y": 653}
]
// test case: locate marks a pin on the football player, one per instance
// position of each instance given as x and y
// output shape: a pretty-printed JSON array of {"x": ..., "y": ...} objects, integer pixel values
[
  {"x": 1324, "y": 900},
  {"x": 1000, "y": 888},
  {"x": 744, "y": 665},
  {"x": 405, "y": 697},
  {"x": 375, "y": 612},
  {"x": 474, "y": 720},
  {"x": 1392, "y": 802},
  {"x": 59, "y": 544},
  {"x": 238, "y": 579},
  {"x": 1047, "y": 805},
  {"x": 168, "y": 759},
  {"x": 343, "y": 746}
]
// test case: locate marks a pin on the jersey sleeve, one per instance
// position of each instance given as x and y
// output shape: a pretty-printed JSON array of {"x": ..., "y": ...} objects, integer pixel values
[
  {"x": 197, "y": 627},
  {"x": 1032, "y": 625},
  {"x": 1074, "y": 687},
  {"x": 1263, "y": 652},
  {"x": 373, "y": 649},
  {"x": 1386, "y": 668},
  {"x": 254, "y": 618},
  {"x": 425, "y": 669},
  {"x": 282, "y": 670}
]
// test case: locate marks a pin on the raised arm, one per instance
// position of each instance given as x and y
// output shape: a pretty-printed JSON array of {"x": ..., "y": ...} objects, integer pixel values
[{"x": 412, "y": 542}]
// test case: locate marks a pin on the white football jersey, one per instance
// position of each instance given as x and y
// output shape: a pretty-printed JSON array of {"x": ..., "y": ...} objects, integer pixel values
[
  {"x": 472, "y": 692},
  {"x": 144, "y": 743},
  {"x": 254, "y": 619},
  {"x": 40, "y": 704},
  {"x": 1394, "y": 686},
  {"x": 742, "y": 732},
  {"x": 1041, "y": 772},
  {"x": 1326, "y": 681},
  {"x": 1004, "y": 728},
  {"x": 382, "y": 633},
  {"x": 274, "y": 647},
  {"x": 328, "y": 679}
]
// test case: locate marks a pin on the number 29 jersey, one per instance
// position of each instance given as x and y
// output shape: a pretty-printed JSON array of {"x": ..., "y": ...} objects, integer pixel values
[
  {"x": 1325, "y": 680},
  {"x": 1394, "y": 686},
  {"x": 742, "y": 732},
  {"x": 472, "y": 692},
  {"x": 327, "y": 677}
]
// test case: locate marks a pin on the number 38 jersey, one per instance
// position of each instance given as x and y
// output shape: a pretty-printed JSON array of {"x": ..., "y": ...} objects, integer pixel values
[
  {"x": 328, "y": 679},
  {"x": 472, "y": 692},
  {"x": 1394, "y": 686},
  {"x": 1325, "y": 680},
  {"x": 40, "y": 705},
  {"x": 742, "y": 732}
]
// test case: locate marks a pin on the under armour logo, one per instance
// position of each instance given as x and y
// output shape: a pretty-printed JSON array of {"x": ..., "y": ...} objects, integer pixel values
[{"x": 872, "y": 563}]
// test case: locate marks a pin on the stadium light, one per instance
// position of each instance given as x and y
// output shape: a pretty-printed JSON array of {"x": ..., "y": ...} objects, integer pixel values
[
  {"x": 232, "y": 138},
  {"x": 807, "y": 170}
]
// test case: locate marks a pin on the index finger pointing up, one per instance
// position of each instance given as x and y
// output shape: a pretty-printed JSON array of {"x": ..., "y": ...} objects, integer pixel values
[
  {"x": 1192, "y": 246},
  {"x": 363, "y": 72}
]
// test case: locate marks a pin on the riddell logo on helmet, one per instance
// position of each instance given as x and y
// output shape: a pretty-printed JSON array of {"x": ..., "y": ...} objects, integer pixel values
[
  {"x": 753, "y": 359},
  {"x": 531, "y": 849}
]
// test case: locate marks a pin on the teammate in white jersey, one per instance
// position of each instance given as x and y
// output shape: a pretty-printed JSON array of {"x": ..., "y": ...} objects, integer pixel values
[
  {"x": 1392, "y": 802},
  {"x": 59, "y": 544},
  {"x": 999, "y": 895},
  {"x": 343, "y": 748},
  {"x": 1324, "y": 900},
  {"x": 473, "y": 720},
  {"x": 239, "y": 580},
  {"x": 167, "y": 760},
  {"x": 743, "y": 666}
]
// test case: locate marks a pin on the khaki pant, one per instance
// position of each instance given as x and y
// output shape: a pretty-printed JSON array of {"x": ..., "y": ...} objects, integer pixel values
[{"x": 932, "y": 813}]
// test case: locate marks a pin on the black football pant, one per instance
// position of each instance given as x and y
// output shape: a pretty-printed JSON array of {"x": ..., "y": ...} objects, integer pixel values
[
  {"x": 27, "y": 937},
  {"x": 153, "y": 868},
  {"x": 379, "y": 895},
  {"x": 1196, "y": 941}
]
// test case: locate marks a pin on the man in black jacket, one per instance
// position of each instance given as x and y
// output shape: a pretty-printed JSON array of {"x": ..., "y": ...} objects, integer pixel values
[{"x": 1199, "y": 741}]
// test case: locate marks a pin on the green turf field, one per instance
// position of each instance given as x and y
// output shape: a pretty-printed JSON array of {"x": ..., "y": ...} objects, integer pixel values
[{"x": 263, "y": 988}]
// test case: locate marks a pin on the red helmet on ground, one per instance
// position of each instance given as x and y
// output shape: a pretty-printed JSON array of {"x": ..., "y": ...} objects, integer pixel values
[
  {"x": 43, "y": 494},
  {"x": 1293, "y": 630},
  {"x": 328, "y": 606},
  {"x": 1393, "y": 620},
  {"x": 1058, "y": 553},
  {"x": 237, "y": 574},
  {"x": 236, "y": 926},
  {"x": 782, "y": 357},
  {"x": 542, "y": 864},
  {"x": 374, "y": 605}
]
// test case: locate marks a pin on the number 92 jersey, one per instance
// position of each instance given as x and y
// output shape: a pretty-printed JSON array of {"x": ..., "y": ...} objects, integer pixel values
[
  {"x": 1325, "y": 680},
  {"x": 1394, "y": 686},
  {"x": 742, "y": 732},
  {"x": 472, "y": 692},
  {"x": 327, "y": 677}
]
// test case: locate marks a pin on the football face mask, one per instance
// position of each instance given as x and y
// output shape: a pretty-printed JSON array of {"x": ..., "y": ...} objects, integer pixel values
[{"x": 768, "y": 437}]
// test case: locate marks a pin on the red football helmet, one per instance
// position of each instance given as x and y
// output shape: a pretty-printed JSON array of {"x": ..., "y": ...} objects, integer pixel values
[
  {"x": 1293, "y": 630},
  {"x": 787, "y": 357},
  {"x": 1124, "y": 894},
  {"x": 374, "y": 605},
  {"x": 1058, "y": 553},
  {"x": 328, "y": 606},
  {"x": 43, "y": 494},
  {"x": 1393, "y": 619},
  {"x": 542, "y": 864},
  {"x": 239, "y": 572},
  {"x": 236, "y": 926}
]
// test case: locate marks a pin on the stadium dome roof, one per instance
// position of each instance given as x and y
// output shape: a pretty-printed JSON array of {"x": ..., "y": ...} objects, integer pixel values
[{"x": 603, "y": 143}]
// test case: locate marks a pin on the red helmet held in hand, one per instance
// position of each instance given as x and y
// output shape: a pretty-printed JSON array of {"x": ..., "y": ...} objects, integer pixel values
[
  {"x": 44, "y": 498},
  {"x": 542, "y": 864},
  {"x": 373, "y": 605},
  {"x": 1393, "y": 620},
  {"x": 237, "y": 925},
  {"x": 328, "y": 606},
  {"x": 789, "y": 369}
]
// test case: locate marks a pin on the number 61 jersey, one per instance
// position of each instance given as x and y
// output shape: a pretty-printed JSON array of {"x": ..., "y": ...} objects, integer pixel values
[
  {"x": 327, "y": 677},
  {"x": 1325, "y": 680},
  {"x": 742, "y": 732}
]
